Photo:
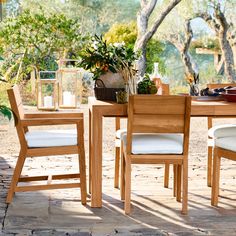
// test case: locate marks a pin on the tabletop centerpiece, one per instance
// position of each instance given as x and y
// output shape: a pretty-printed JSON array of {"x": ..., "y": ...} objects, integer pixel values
[{"x": 112, "y": 67}]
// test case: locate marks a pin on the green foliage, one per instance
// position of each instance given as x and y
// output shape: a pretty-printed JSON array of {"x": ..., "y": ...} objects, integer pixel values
[
  {"x": 5, "y": 111},
  {"x": 127, "y": 33},
  {"x": 146, "y": 86},
  {"x": 95, "y": 16},
  {"x": 120, "y": 32},
  {"x": 30, "y": 42},
  {"x": 99, "y": 56}
]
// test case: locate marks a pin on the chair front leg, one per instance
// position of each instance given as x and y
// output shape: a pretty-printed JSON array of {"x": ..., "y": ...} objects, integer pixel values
[
  {"x": 174, "y": 180},
  {"x": 185, "y": 187},
  {"x": 82, "y": 168},
  {"x": 179, "y": 182},
  {"x": 215, "y": 178},
  {"x": 127, "y": 184},
  {"x": 17, "y": 172},
  {"x": 122, "y": 176},
  {"x": 117, "y": 168},
  {"x": 166, "y": 175},
  {"x": 209, "y": 167}
]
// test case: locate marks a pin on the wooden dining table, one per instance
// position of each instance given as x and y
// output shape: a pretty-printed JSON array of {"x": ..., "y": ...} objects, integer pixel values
[{"x": 99, "y": 109}]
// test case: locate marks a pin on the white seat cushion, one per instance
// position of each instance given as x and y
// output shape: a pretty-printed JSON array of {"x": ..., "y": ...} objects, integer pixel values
[
  {"x": 51, "y": 138},
  {"x": 156, "y": 143},
  {"x": 228, "y": 143},
  {"x": 219, "y": 131}
]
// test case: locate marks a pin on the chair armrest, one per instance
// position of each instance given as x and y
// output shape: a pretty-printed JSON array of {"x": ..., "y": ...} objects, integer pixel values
[
  {"x": 59, "y": 115},
  {"x": 50, "y": 121}
]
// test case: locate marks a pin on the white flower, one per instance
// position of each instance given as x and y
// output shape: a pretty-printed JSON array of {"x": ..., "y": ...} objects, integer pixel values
[
  {"x": 94, "y": 45},
  {"x": 119, "y": 45}
]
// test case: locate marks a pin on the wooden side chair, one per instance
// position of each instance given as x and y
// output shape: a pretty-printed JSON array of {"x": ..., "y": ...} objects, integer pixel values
[
  {"x": 224, "y": 146},
  {"x": 46, "y": 143},
  {"x": 158, "y": 133},
  {"x": 119, "y": 132},
  {"x": 210, "y": 139}
]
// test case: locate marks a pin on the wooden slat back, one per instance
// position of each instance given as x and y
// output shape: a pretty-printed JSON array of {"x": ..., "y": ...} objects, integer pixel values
[
  {"x": 16, "y": 102},
  {"x": 158, "y": 105},
  {"x": 17, "y": 108},
  {"x": 157, "y": 114}
]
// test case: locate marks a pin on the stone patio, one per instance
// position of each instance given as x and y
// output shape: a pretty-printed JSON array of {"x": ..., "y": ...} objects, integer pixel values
[{"x": 154, "y": 210}]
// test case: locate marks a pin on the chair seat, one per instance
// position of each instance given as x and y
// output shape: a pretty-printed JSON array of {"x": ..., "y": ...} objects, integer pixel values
[
  {"x": 156, "y": 143},
  {"x": 51, "y": 138},
  {"x": 222, "y": 131},
  {"x": 228, "y": 143}
]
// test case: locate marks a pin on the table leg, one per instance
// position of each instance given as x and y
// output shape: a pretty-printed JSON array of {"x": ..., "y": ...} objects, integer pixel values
[{"x": 96, "y": 158}]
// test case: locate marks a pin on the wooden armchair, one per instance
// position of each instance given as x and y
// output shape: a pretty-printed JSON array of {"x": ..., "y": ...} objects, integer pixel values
[
  {"x": 224, "y": 147},
  {"x": 158, "y": 133},
  {"x": 47, "y": 143}
]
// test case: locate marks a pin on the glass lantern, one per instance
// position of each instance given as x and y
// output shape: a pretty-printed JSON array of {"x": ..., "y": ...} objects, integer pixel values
[
  {"x": 47, "y": 91},
  {"x": 70, "y": 84}
]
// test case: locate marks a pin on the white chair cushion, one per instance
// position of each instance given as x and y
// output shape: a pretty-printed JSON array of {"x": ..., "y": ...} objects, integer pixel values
[
  {"x": 228, "y": 143},
  {"x": 51, "y": 138},
  {"x": 120, "y": 132},
  {"x": 219, "y": 131},
  {"x": 156, "y": 143}
]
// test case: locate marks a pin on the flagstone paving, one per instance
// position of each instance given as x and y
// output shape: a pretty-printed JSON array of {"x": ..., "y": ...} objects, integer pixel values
[{"x": 154, "y": 210}]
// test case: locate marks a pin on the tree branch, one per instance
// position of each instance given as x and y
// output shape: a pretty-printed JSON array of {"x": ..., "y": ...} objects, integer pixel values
[{"x": 158, "y": 21}]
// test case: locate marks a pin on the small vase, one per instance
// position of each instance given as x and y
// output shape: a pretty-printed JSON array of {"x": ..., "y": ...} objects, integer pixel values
[{"x": 121, "y": 97}]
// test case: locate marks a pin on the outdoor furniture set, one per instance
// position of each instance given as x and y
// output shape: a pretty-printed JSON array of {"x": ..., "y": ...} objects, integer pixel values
[{"x": 157, "y": 133}]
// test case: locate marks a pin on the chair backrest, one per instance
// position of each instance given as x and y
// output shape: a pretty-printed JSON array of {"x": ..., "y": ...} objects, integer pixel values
[
  {"x": 17, "y": 108},
  {"x": 165, "y": 91},
  {"x": 158, "y": 114}
]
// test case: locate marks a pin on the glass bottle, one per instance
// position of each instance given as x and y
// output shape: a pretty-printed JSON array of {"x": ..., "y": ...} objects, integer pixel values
[{"x": 156, "y": 78}]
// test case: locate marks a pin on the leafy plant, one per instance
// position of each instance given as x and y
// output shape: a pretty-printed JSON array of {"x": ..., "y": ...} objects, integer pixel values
[
  {"x": 127, "y": 33},
  {"x": 5, "y": 111},
  {"x": 146, "y": 86},
  {"x": 35, "y": 41},
  {"x": 100, "y": 57}
]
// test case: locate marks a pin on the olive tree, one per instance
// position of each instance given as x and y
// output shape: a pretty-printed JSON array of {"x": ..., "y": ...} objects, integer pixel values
[
  {"x": 145, "y": 30},
  {"x": 35, "y": 41},
  {"x": 220, "y": 18}
]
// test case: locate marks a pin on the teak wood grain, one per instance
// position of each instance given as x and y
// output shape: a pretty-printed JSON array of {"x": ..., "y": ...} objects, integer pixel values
[
  {"x": 172, "y": 107},
  {"x": 23, "y": 121}
]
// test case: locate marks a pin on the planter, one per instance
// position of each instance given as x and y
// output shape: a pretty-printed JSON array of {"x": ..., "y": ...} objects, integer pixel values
[{"x": 107, "y": 85}]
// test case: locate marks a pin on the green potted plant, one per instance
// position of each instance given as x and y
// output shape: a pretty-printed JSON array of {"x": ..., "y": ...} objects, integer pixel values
[
  {"x": 111, "y": 65},
  {"x": 147, "y": 86}
]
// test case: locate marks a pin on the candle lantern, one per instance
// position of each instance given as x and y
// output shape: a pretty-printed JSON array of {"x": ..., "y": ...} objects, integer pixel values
[
  {"x": 47, "y": 91},
  {"x": 70, "y": 84}
]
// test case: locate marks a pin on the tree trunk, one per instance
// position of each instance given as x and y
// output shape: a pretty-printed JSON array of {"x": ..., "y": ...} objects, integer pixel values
[
  {"x": 144, "y": 35},
  {"x": 190, "y": 66},
  {"x": 221, "y": 28},
  {"x": 227, "y": 51}
]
